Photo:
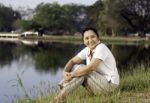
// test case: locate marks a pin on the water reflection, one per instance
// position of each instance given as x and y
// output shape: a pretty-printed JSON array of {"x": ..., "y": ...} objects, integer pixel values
[
  {"x": 29, "y": 42},
  {"x": 45, "y": 60},
  {"x": 131, "y": 56},
  {"x": 51, "y": 56}
]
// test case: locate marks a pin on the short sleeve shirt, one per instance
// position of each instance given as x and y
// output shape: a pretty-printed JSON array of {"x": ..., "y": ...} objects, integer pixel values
[{"x": 107, "y": 67}]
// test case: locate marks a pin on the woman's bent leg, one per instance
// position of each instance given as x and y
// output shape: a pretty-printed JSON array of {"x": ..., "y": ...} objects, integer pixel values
[
  {"x": 69, "y": 87},
  {"x": 98, "y": 83}
]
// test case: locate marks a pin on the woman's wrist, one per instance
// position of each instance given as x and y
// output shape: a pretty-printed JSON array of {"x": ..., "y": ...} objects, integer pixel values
[{"x": 72, "y": 74}]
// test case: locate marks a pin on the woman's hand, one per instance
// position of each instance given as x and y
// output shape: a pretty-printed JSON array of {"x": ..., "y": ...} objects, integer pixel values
[{"x": 67, "y": 76}]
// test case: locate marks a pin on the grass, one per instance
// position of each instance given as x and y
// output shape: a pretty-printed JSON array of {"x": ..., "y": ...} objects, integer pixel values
[
  {"x": 78, "y": 39},
  {"x": 134, "y": 88}
]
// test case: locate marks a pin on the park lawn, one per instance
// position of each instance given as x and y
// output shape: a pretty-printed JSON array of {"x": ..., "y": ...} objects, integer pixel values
[
  {"x": 81, "y": 96},
  {"x": 134, "y": 88},
  {"x": 78, "y": 39}
]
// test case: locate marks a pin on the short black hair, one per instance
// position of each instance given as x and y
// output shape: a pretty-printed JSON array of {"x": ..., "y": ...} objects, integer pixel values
[{"x": 90, "y": 28}]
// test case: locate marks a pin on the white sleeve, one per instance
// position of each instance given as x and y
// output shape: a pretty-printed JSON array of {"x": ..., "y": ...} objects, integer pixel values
[
  {"x": 101, "y": 52},
  {"x": 82, "y": 54}
]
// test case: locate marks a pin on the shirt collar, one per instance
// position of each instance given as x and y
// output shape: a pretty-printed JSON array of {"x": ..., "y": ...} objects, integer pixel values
[{"x": 94, "y": 48}]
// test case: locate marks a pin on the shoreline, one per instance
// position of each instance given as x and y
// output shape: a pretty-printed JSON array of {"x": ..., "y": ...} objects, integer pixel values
[{"x": 78, "y": 39}]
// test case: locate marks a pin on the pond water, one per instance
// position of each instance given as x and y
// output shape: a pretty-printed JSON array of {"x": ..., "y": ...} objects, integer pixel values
[{"x": 40, "y": 65}]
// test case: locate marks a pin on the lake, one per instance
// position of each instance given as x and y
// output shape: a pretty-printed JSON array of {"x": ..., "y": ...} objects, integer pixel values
[{"x": 39, "y": 65}]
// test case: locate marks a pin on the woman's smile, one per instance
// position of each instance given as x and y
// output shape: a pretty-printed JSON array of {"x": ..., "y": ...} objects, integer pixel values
[{"x": 90, "y": 39}]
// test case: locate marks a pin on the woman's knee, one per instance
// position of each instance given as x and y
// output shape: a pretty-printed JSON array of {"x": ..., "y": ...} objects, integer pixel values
[{"x": 77, "y": 66}]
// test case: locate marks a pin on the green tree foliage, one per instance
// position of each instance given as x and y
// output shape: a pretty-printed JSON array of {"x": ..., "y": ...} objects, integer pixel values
[
  {"x": 94, "y": 13},
  {"x": 27, "y": 25},
  {"x": 7, "y": 18},
  {"x": 110, "y": 22},
  {"x": 77, "y": 17},
  {"x": 136, "y": 13},
  {"x": 54, "y": 17},
  {"x": 125, "y": 16},
  {"x": 110, "y": 17},
  {"x": 51, "y": 16}
]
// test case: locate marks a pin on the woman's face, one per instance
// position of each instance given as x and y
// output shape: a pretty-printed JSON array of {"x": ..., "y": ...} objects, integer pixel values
[{"x": 90, "y": 39}]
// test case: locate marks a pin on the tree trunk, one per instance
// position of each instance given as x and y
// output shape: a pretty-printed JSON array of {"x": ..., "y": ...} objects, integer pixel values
[{"x": 113, "y": 33}]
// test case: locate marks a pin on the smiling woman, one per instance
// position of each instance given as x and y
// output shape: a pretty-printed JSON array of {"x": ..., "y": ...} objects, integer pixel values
[
  {"x": 91, "y": 39},
  {"x": 98, "y": 76}
]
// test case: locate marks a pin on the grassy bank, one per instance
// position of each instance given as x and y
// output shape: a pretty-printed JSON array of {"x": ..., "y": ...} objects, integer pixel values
[
  {"x": 134, "y": 88},
  {"x": 78, "y": 39}
]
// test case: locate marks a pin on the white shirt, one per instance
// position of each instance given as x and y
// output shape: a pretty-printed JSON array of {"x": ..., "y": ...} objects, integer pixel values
[{"x": 107, "y": 67}]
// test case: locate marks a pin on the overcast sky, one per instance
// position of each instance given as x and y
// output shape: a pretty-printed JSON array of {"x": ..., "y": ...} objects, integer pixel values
[{"x": 34, "y": 3}]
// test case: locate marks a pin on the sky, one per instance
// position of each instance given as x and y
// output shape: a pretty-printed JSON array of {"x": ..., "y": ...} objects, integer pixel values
[{"x": 34, "y": 3}]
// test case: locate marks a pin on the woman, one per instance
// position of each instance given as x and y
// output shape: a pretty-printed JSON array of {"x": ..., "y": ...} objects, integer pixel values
[{"x": 100, "y": 73}]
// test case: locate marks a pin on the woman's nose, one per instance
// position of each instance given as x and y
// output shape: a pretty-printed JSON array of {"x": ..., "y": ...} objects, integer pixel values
[{"x": 90, "y": 40}]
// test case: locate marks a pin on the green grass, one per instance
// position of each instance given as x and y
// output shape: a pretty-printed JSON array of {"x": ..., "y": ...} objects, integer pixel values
[
  {"x": 78, "y": 39},
  {"x": 134, "y": 88}
]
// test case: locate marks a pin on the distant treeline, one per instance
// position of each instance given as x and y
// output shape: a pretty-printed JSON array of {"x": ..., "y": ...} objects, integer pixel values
[{"x": 110, "y": 17}]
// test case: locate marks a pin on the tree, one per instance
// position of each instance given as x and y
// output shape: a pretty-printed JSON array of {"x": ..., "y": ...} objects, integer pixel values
[
  {"x": 50, "y": 16},
  {"x": 68, "y": 18},
  {"x": 27, "y": 25},
  {"x": 77, "y": 17},
  {"x": 7, "y": 18},
  {"x": 126, "y": 16},
  {"x": 136, "y": 13},
  {"x": 110, "y": 21},
  {"x": 115, "y": 17},
  {"x": 94, "y": 13}
]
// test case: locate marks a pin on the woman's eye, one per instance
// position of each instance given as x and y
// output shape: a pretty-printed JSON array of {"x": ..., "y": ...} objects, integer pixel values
[
  {"x": 93, "y": 36},
  {"x": 86, "y": 38}
]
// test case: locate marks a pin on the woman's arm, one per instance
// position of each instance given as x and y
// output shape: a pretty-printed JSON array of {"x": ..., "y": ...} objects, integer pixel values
[
  {"x": 69, "y": 65},
  {"x": 87, "y": 69}
]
